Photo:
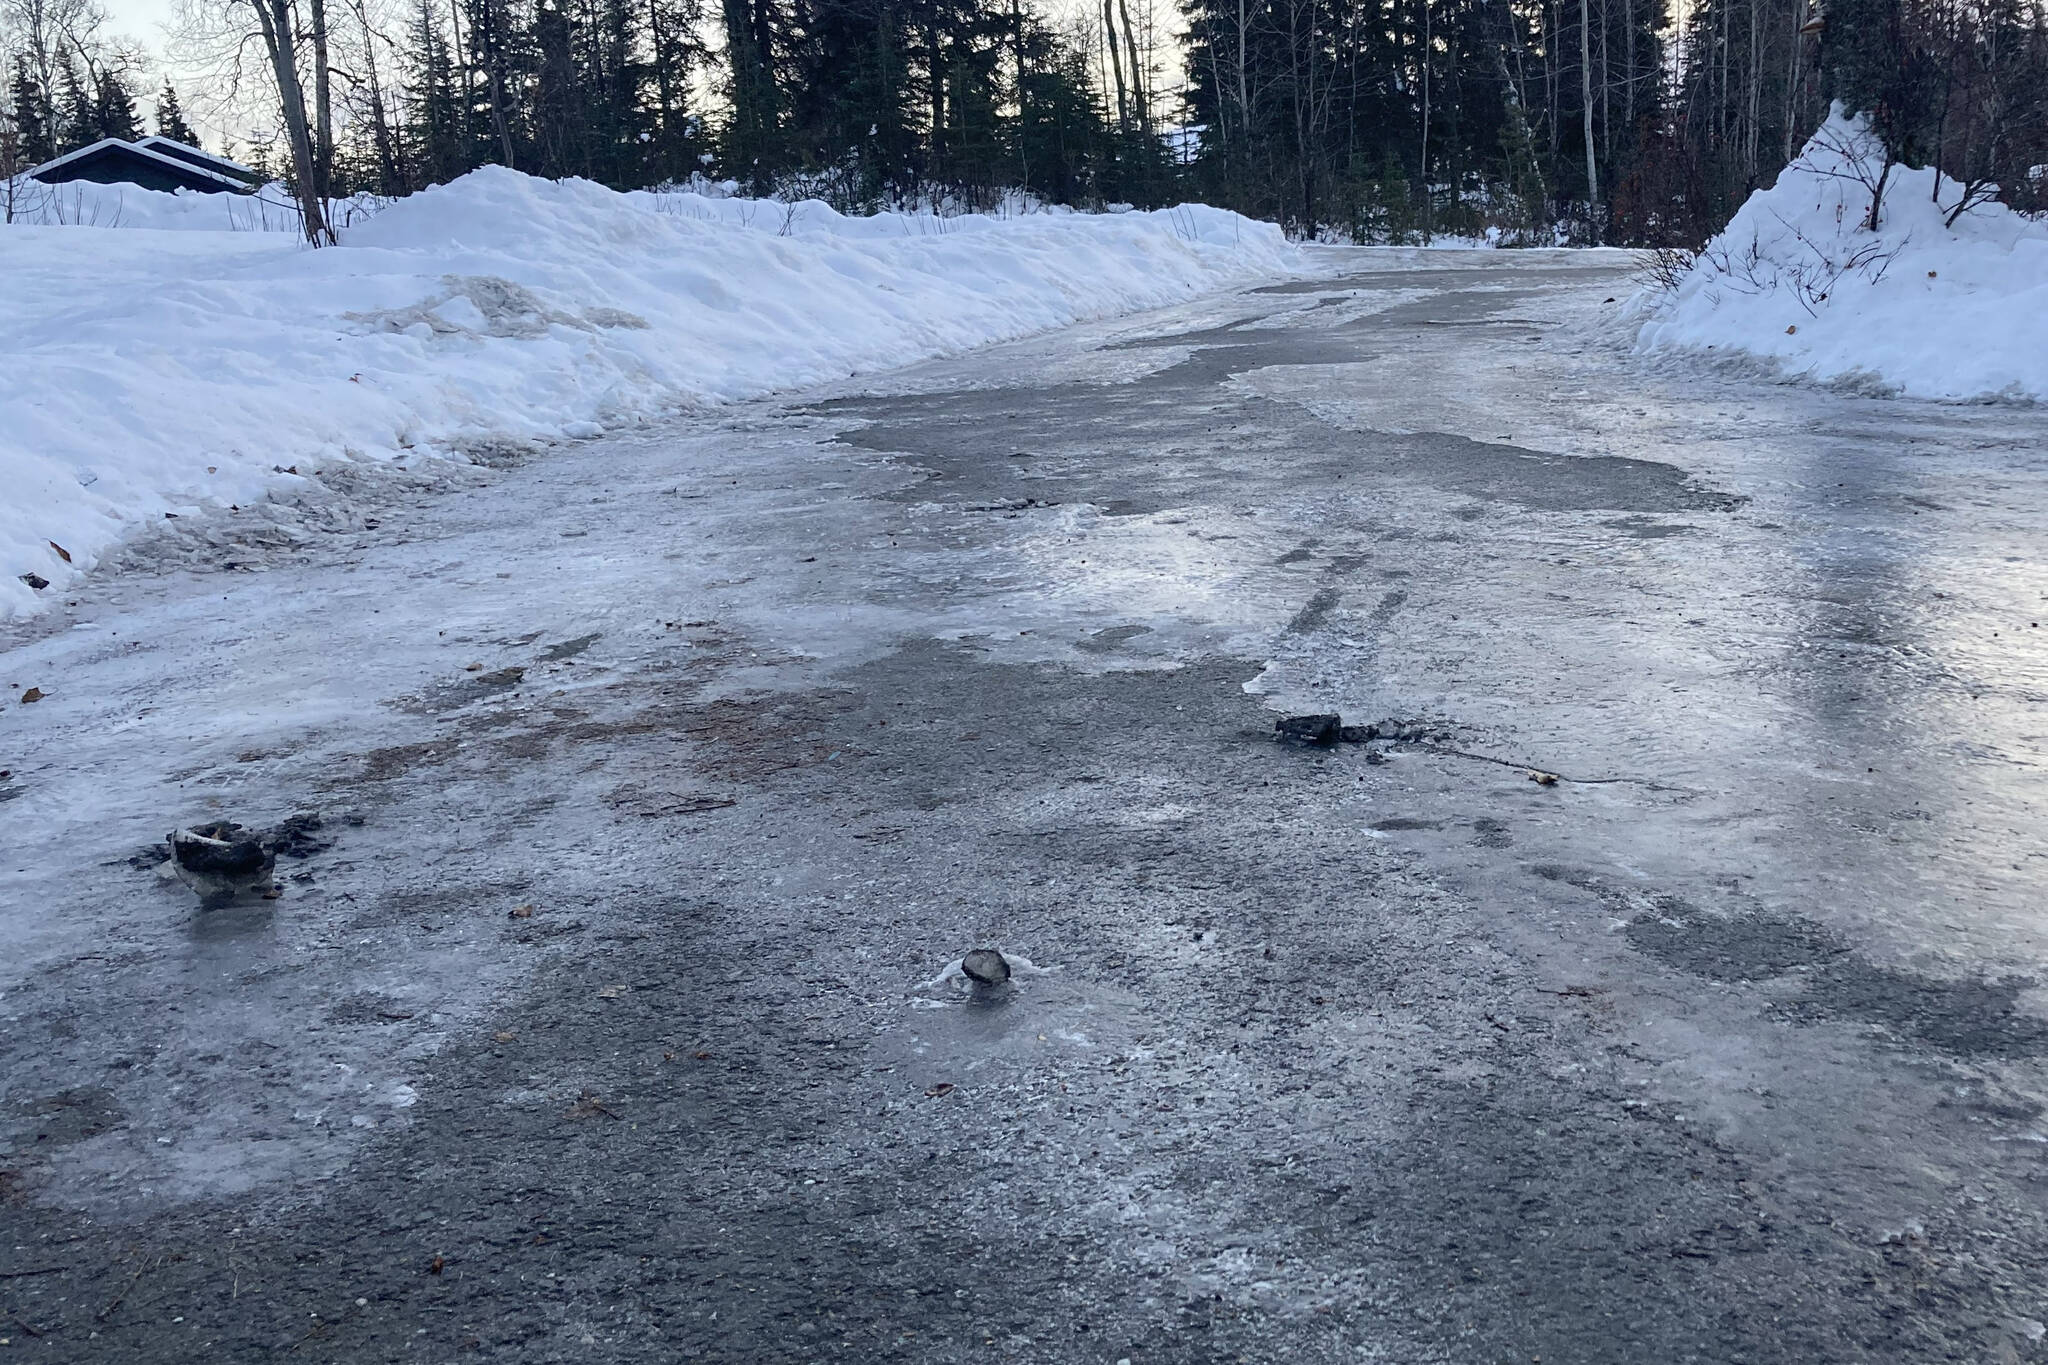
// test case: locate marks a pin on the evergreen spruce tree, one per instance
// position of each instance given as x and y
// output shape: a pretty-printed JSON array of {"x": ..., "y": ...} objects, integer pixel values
[
  {"x": 559, "y": 113},
  {"x": 618, "y": 75},
  {"x": 113, "y": 109},
  {"x": 76, "y": 120},
  {"x": 434, "y": 107},
  {"x": 170, "y": 118},
  {"x": 499, "y": 59},
  {"x": 850, "y": 105},
  {"x": 1060, "y": 141},
  {"x": 675, "y": 53},
  {"x": 34, "y": 119},
  {"x": 753, "y": 149}
]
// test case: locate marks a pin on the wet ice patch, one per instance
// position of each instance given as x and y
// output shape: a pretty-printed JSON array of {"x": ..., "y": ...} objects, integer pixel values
[
  {"x": 968, "y": 1029},
  {"x": 953, "y": 976}
]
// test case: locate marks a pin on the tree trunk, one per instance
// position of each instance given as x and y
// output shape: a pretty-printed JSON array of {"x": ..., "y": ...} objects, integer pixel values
[
  {"x": 391, "y": 163},
  {"x": 1428, "y": 199},
  {"x": 498, "y": 119},
  {"x": 1116, "y": 66},
  {"x": 280, "y": 41},
  {"x": 938, "y": 102},
  {"x": 1628, "y": 70},
  {"x": 466, "y": 122},
  {"x": 1244, "y": 99},
  {"x": 1606, "y": 85},
  {"x": 663, "y": 91},
  {"x": 1753, "y": 107},
  {"x": 1139, "y": 104},
  {"x": 1586, "y": 101},
  {"x": 323, "y": 105}
]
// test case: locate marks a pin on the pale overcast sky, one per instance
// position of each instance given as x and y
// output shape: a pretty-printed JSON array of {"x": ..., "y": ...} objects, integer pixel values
[
  {"x": 143, "y": 19},
  {"x": 148, "y": 22}
]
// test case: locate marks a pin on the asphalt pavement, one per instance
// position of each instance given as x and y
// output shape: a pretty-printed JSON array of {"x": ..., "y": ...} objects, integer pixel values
[{"x": 1658, "y": 982}]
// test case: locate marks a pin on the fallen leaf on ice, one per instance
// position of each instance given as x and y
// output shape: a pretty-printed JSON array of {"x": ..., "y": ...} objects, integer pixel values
[
  {"x": 435, "y": 1266},
  {"x": 587, "y": 1105},
  {"x": 33, "y": 694},
  {"x": 62, "y": 553},
  {"x": 1542, "y": 778},
  {"x": 472, "y": 668},
  {"x": 939, "y": 1091},
  {"x": 522, "y": 912}
]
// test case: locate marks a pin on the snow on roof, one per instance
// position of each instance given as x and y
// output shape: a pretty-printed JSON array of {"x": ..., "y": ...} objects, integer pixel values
[
  {"x": 114, "y": 143},
  {"x": 184, "y": 151}
]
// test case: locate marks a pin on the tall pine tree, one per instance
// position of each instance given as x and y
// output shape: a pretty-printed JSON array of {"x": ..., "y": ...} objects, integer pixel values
[
  {"x": 113, "y": 109},
  {"x": 77, "y": 121},
  {"x": 170, "y": 118},
  {"x": 34, "y": 118},
  {"x": 434, "y": 108}
]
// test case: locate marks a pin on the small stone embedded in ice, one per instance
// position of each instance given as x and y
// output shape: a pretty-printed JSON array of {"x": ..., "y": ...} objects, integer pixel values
[
  {"x": 1319, "y": 729},
  {"x": 985, "y": 967},
  {"x": 219, "y": 860}
]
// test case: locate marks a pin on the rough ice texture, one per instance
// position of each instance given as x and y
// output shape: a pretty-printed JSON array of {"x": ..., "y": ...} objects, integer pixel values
[
  {"x": 172, "y": 364},
  {"x": 1916, "y": 308}
]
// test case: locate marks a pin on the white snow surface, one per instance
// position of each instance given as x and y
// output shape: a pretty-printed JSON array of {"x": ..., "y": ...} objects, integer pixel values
[
  {"x": 173, "y": 364},
  {"x": 1917, "y": 308}
]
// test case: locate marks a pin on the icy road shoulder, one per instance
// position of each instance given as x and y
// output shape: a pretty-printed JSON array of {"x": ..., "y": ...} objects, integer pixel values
[{"x": 153, "y": 372}]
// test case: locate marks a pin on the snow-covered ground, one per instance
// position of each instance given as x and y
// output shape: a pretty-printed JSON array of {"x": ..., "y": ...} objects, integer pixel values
[
  {"x": 1918, "y": 308},
  {"x": 169, "y": 355}
]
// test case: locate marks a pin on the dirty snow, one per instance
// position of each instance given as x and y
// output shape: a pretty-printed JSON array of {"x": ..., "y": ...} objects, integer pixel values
[
  {"x": 164, "y": 358},
  {"x": 1917, "y": 308}
]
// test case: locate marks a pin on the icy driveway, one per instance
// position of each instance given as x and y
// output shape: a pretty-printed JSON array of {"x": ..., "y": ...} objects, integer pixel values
[{"x": 1724, "y": 1048}]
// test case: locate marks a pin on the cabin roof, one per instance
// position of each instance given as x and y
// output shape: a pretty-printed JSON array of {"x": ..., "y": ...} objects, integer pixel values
[
  {"x": 200, "y": 157},
  {"x": 177, "y": 168}
]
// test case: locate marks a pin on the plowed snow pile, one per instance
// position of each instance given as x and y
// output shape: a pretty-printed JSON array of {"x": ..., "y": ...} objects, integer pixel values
[
  {"x": 180, "y": 365},
  {"x": 1918, "y": 307}
]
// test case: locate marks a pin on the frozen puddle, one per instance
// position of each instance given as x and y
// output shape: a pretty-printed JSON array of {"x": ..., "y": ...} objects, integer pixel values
[{"x": 959, "y": 1025}]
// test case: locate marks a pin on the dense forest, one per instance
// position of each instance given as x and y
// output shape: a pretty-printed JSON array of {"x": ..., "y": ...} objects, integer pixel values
[{"x": 1386, "y": 120}]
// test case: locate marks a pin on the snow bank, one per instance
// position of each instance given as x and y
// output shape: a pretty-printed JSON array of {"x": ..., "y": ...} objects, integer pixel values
[
  {"x": 176, "y": 366},
  {"x": 81, "y": 203},
  {"x": 1916, "y": 308}
]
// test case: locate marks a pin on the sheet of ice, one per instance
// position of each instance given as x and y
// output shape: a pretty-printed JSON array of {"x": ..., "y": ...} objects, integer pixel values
[
  {"x": 1917, "y": 308},
  {"x": 954, "y": 973},
  {"x": 173, "y": 363}
]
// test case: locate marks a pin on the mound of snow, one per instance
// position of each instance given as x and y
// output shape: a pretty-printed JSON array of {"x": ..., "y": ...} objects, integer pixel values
[
  {"x": 1917, "y": 307},
  {"x": 82, "y": 203},
  {"x": 151, "y": 370}
]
